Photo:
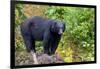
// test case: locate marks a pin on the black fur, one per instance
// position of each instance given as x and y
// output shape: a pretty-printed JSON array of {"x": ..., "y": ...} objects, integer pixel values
[{"x": 40, "y": 29}]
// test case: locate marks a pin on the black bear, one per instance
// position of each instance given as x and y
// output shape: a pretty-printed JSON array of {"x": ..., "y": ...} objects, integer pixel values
[{"x": 40, "y": 29}]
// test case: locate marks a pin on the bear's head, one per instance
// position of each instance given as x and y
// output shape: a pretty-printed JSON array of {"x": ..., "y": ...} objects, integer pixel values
[{"x": 58, "y": 27}]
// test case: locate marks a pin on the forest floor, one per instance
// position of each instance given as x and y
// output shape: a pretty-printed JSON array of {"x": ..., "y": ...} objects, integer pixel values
[{"x": 25, "y": 58}]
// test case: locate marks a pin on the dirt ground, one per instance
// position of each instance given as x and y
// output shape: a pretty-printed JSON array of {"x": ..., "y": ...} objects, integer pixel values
[{"x": 25, "y": 58}]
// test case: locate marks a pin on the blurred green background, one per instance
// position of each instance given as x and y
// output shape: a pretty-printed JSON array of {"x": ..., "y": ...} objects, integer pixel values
[{"x": 77, "y": 42}]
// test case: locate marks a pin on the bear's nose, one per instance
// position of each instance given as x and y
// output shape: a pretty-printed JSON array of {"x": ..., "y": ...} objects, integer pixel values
[{"x": 60, "y": 32}]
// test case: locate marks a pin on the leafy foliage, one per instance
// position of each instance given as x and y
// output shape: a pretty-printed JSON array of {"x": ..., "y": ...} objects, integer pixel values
[{"x": 19, "y": 17}]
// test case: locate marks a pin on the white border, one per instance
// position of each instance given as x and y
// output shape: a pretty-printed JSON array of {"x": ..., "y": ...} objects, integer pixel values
[{"x": 5, "y": 33}]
